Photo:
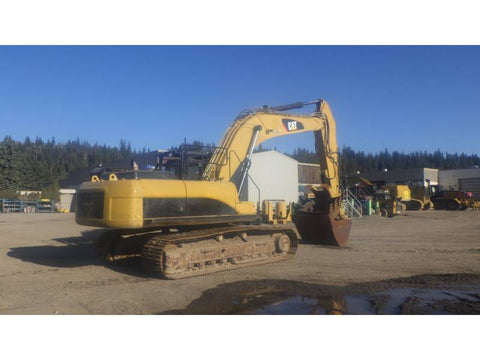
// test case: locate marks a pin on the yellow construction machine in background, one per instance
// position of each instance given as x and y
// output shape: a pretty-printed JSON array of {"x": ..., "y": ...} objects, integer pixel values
[
  {"x": 411, "y": 198},
  {"x": 387, "y": 201},
  {"x": 452, "y": 199},
  {"x": 420, "y": 198}
]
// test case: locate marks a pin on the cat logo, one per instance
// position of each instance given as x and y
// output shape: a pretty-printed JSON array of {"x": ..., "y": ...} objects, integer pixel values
[{"x": 292, "y": 125}]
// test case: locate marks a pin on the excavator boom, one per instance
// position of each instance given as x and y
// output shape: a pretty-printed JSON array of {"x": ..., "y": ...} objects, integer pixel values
[{"x": 255, "y": 126}]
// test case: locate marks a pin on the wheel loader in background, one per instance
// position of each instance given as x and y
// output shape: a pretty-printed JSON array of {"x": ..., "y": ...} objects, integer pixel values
[
  {"x": 452, "y": 199},
  {"x": 183, "y": 228}
]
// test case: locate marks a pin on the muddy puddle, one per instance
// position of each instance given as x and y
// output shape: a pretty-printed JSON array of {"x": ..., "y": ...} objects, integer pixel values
[
  {"x": 396, "y": 301},
  {"x": 420, "y": 295}
]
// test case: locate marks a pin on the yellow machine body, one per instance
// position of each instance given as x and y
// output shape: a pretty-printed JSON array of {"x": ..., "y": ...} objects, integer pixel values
[
  {"x": 144, "y": 203},
  {"x": 420, "y": 198},
  {"x": 400, "y": 192},
  {"x": 413, "y": 197}
]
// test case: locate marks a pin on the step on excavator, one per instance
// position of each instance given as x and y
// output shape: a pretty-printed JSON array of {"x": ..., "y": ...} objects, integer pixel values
[{"x": 182, "y": 228}]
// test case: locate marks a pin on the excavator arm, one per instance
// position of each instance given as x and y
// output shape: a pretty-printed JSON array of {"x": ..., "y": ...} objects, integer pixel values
[
  {"x": 233, "y": 155},
  {"x": 323, "y": 216}
]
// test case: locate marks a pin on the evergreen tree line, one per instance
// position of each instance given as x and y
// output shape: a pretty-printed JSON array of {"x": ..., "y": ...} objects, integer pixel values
[
  {"x": 38, "y": 165},
  {"x": 352, "y": 161}
]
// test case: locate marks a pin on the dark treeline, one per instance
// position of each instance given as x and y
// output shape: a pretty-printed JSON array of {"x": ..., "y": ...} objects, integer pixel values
[
  {"x": 352, "y": 161},
  {"x": 38, "y": 165}
]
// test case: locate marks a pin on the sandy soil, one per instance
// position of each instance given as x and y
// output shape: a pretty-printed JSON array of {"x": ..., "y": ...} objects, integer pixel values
[{"x": 49, "y": 265}]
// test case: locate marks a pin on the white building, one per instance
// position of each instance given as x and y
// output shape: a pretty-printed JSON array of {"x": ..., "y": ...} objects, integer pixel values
[
  {"x": 66, "y": 199},
  {"x": 461, "y": 180},
  {"x": 275, "y": 175}
]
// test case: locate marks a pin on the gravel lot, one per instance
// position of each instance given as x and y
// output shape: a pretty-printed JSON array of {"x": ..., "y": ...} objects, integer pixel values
[{"x": 49, "y": 265}]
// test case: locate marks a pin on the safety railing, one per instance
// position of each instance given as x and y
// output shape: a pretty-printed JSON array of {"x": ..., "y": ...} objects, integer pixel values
[{"x": 351, "y": 205}]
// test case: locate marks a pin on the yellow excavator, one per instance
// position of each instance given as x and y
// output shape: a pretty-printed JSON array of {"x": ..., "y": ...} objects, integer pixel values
[{"x": 184, "y": 228}]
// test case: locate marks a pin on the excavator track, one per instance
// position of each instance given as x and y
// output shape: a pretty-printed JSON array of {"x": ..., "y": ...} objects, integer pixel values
[{"x": 198, "y": 252}]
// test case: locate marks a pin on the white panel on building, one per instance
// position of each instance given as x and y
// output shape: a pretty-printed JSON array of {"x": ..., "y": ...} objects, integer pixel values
[
  {"x": 66, "y": 199},
  {"x": 275, "y": 174},
  {"x": 431, "y": 175}
]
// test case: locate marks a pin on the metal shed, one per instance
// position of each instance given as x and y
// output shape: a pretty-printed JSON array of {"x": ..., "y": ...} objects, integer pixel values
[{"x": 275, "y": 175}]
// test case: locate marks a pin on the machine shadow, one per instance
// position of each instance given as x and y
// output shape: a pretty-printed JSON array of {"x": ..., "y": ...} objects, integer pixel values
[
  {"x": 77, "y": 251},
  {"x": 258, "y": 296}
]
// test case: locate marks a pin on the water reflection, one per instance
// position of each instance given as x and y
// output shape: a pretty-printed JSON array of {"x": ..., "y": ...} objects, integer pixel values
[
  {"x": 395, "y": 301},
  {"x": 273, "y": 297}
]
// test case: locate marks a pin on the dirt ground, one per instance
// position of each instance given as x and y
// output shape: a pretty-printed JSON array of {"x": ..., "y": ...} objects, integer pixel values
[{"x": 49, "y": 265}]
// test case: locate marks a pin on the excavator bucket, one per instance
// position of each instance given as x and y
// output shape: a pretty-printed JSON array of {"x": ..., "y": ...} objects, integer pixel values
[{"x": 319, "y": 228}]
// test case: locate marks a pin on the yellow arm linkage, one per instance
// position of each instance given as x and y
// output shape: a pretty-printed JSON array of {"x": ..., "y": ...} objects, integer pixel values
[{"x": 251, "y": 129}]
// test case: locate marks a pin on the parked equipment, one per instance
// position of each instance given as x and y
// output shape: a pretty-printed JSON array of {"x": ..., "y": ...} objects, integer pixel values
[
  {"x": 387, "y": 204},
  {"x": 420, "y": 198},
  {"x": 386, "y": 201},
  {"x": 452, "y": 199},
  {"x": 183, "y": 228}
]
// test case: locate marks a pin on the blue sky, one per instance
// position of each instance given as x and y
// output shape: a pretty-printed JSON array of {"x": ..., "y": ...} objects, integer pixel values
[{"x": 401, "y": 98}]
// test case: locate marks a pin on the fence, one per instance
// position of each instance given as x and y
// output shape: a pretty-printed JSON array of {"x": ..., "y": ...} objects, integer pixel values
[{"x": 20, "y": 206}]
